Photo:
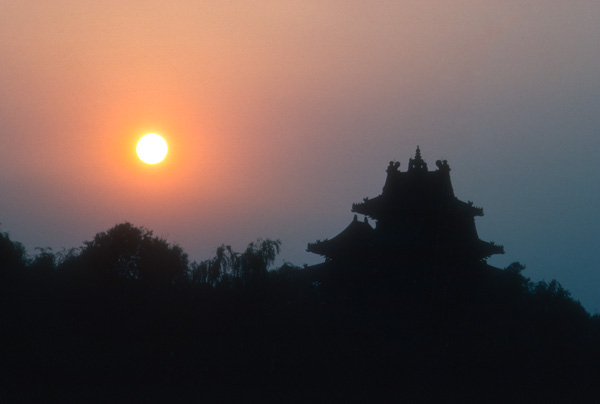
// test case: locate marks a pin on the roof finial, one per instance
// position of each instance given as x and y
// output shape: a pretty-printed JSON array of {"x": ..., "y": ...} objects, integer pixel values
[
  {"x": 417, "y": 163},
  {"x": 418, "y": 154}
]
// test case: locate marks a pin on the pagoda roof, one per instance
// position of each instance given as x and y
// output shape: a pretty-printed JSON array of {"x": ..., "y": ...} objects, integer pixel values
[
  {"x": 488, "y": 248},
  {"x": 417, "y": 215},
  {"x": 356, "y": 234},
  {"x": 416, "y": 189}
]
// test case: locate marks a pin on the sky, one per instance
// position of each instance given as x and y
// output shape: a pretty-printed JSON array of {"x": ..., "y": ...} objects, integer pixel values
[{"x": 281, "y": 114}]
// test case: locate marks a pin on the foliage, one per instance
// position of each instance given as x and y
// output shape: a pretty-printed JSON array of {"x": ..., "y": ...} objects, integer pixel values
[
  {"x": 12, "y": 256},
  {"x": 45, "y": 260},
  {"x": 230, "y": 268},
  {"x": 129, "y": 252}
]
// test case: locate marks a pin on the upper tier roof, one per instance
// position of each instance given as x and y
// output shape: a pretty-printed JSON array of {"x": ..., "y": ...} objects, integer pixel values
[{"x": 416, "y": 189}]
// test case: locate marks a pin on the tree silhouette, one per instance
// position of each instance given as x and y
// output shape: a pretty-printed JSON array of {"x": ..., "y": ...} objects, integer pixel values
[
  {"x": 45, "y": 260},
  {"x": 129, "y": 252},
  {"x": 255, "y": 261},
  {"x": 230, "y": 268},
  {"x": 12, "y": 256}
]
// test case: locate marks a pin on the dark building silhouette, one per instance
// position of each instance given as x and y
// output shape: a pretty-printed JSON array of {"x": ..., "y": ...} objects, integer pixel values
[{"x": 417, "y": 220}]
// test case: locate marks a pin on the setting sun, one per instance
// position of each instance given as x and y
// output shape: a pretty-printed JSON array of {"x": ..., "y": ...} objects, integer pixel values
[{"x": 152, "y": 148}]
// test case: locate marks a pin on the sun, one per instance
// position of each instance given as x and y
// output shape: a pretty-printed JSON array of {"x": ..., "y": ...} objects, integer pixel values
[{"x": 152, "y": 149}]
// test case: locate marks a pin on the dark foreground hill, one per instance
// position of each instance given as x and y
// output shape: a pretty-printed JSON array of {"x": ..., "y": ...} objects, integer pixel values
[{"x": 474, "y": 334}]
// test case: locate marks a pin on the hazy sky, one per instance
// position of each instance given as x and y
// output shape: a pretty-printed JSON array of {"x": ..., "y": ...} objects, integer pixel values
[{"x": 281, "y": 114}]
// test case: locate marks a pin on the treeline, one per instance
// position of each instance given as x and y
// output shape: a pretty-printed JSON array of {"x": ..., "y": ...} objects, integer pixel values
[
  {"x": 128, "y": 317},
  {"x": 129, "y": 253}
]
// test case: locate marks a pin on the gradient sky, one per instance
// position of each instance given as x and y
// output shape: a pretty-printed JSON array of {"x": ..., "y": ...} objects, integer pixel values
[{"x": 281, "y": 114}]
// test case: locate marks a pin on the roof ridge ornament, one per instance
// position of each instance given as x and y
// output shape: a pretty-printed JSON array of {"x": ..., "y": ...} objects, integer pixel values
[
  {"x": 393, "y": 167},
  {"x": 442, "y": 165},
  {"x": 417, "y": 163}
]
